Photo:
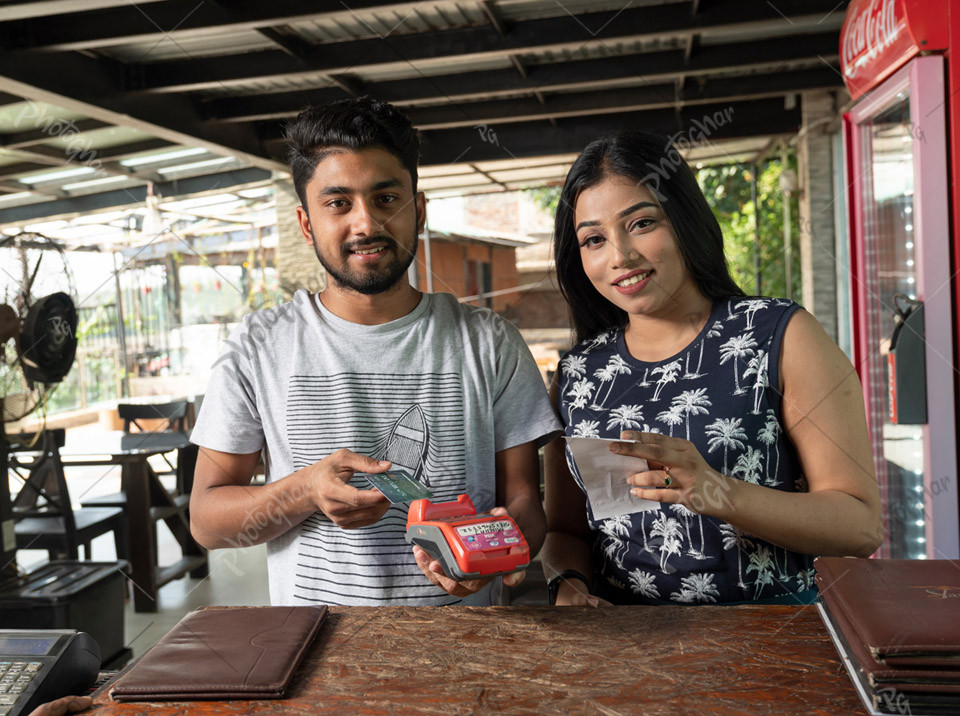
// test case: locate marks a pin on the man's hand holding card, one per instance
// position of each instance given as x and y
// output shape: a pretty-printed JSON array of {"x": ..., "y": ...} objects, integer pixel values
[{"x": 326, "y": 486}]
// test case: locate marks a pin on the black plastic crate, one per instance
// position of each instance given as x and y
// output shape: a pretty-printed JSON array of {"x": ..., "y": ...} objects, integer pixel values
[{"x": 87, "y": 596}]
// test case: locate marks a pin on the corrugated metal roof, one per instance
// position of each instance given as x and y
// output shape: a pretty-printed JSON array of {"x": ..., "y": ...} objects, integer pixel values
[
  {"x": 555, "y": 160},
  {"x": 779, "y": 68},
  {"x": 173, "y": 48},
  {"x": 99, "y": 138},
  {"x": 471, "y": 179},
  {"x": 768, "y": 32},
  {"x": 24, "y": 116},
  {"x": 442, "y": 66},
  {"x": 424, "y": 17},
  {"x": 515, "y": 10},
  {"x": 402, "y": 20},
  {"x": 401, "y": 70},
  {"x": 529, "y": 173},
  {"x": 451, "y": 179},
  {"x": 407, "y": 70},
  {"x": 295, "y": 83},
  {"x": 444, "y": 170},
  {"x": 25, "y": 125},
  {"x": 23, "y": 10},
  {"x": 603, "y": 48}
]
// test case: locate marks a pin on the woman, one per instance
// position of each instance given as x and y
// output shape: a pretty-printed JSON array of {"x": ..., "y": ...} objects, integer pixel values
[{"x": 750, "y": 417}]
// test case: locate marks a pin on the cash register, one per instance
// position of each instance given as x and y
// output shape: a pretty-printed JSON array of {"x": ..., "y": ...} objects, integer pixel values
[{"x": 40, "y": 665}]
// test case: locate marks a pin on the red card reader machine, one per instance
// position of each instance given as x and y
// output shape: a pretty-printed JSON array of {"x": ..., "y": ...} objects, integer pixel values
[{"x": 468, "y": 545}]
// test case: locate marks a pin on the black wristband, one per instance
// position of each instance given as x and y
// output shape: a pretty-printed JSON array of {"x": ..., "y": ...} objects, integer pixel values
[{"x": 553, "y": 586}]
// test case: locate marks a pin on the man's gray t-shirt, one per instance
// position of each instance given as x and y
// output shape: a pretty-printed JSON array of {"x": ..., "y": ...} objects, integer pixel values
[{"x": 438, "y": 392}]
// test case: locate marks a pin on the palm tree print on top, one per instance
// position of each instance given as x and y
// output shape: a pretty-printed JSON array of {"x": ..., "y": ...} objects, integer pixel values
[
  {"x": 696, "y": 589},
  {"x": 736, "y": 348},
  {"x": 721, "y": 393},
  {"x": 616, "y": 366},
  {"x": 668, "y": 374}
]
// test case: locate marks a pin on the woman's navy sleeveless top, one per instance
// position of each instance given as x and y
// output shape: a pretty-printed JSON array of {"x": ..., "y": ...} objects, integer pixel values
[{"x": 721, "y": 393}]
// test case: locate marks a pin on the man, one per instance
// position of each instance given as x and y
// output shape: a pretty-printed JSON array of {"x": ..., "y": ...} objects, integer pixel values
[{"x": 367, "y": 375}]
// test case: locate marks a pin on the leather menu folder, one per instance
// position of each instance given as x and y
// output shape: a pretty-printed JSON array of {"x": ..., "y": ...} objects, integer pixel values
[
  {"x": 901, "y": 692},
  {"x": 903, "y": 611},
  {"x": 223, "y": 653},
  {"x": 880, "y": 676}
]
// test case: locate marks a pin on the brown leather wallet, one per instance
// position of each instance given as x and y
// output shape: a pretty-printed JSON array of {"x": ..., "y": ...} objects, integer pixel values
[{"x": 223, "y": 653}]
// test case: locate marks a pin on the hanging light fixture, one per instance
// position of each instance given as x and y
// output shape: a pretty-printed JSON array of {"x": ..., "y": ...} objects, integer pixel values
[{"x": 153, "y": 219}]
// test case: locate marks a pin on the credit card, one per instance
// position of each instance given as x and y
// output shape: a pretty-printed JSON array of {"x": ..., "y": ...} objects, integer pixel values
[{"x": 397, "y": 485}]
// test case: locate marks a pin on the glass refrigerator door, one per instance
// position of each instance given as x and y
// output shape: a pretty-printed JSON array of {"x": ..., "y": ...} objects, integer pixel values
[{"x": 897, "y": 135}]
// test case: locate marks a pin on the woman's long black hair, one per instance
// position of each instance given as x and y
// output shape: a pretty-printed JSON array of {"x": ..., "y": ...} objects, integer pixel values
[{"x": 651, "y": 160}]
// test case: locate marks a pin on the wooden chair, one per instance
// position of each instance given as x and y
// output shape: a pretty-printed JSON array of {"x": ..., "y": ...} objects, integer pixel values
[
  {"x": 175, "y": 415},
  {"x": 43, "y": 514}
]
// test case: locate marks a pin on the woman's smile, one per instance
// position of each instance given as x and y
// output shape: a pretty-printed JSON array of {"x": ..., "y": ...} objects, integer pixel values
[{"x": 633, "y": 282}]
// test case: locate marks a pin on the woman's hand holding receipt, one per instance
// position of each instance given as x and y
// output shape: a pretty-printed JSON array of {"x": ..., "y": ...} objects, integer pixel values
[{"x": 676, "y": 472}]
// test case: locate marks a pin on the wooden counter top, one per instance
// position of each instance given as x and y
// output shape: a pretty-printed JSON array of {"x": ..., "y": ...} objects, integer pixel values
[{"x": 619, "y": 660}]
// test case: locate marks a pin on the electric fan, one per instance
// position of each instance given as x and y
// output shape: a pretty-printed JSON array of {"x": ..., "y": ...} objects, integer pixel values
[
  {"x": 38, "y": 343},
  {"x": 38, "y": 322}
]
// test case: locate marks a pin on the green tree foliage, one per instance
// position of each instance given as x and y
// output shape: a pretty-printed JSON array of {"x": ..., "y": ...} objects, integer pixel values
[
  {"x": 728, "y": 192},
  {"x": 546, "y": 198}
]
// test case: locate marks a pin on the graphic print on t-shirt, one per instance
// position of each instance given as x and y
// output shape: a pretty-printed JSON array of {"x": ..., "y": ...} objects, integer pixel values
[
  {"x": 416, "y": 421},
  {"x": 406, "y": 445}
]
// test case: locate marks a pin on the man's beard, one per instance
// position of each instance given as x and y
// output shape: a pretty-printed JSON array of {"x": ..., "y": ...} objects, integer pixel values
[{"x": 369, "y": 282}]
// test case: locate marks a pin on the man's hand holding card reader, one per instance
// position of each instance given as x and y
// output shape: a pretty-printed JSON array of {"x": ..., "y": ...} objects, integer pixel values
[{"x": 467, "y": 545}]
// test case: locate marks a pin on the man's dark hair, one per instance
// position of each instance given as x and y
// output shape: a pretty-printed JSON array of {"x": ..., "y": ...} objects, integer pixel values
[
  {"x": 352, "y": 124},
  {"x": 651, "y": 160}
]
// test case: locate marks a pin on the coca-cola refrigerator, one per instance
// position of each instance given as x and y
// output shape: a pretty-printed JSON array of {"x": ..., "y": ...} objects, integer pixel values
[{"x": 896, "y": 65}]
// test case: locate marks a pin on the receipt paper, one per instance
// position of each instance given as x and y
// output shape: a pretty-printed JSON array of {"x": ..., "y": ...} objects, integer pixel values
[{"x": 604, "y": 476}]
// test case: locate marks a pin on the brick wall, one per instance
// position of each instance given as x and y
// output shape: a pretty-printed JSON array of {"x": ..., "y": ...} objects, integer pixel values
[
  {"x": 446, "y": 266},
  {"x": 494, "y": 212},
  {"x": 503, "y": 270},
  {"x": 539, "y": 309},
  {"x": 449, "y": 265}
]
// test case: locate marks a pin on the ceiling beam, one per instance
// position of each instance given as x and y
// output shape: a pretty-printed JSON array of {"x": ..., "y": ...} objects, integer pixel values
[
  {"x": 16, "y": 188},
  {"x": 87, "y": 86},
  {"x": 286, "y": 40},
  {"x": 119, "y": 151},
  {"x": 582, "y": 104},
  {"x": 45, "y": 8},
  {"x": 122, "y": 151},
  {"x": 747, "y": 119},
  {"x": 12, "y": 171},
  {"x": 672, "y": 20},
  {"x": 650, "y": 67},
  {"x": 465, "y": 145},
  {"x": 56, "y": 158},
  {"x": 8, "y": 99},
  {"x": 129, "y": 23},
  {"x": 87, "y": 203},
  {"x": 491, "y": 12},
  {"x": 29, "y": 138}
]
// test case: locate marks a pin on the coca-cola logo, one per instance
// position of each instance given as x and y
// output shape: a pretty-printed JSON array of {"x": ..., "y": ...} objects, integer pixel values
[{"x": 869, "y": 32}]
